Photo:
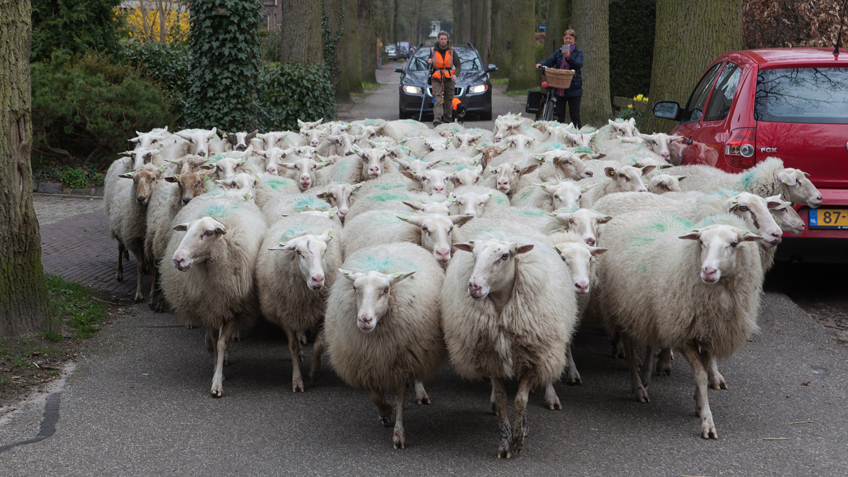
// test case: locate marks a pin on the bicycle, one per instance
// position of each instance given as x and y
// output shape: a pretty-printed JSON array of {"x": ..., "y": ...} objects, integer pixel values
[{"x": 548, "y": 111}]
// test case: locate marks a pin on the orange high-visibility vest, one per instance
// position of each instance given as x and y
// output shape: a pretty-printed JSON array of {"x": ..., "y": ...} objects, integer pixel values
[
  {"x": 443, "y": 63},
  {"x": 456, "y": 102}
]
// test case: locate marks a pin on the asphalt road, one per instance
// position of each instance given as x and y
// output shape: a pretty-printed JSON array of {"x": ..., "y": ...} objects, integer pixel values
[{"x": 138, "y": 404}]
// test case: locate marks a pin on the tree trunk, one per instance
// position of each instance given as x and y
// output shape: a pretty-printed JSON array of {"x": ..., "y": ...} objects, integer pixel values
[
  {"x": 591, "y": 22},
  {"x": 520, "y": 23},
  {"x": 559, "y": 18},
  {"x": 23, "y": 292},
  {"x": 395, "y": 8},
  {"x": 300, "y": 25},
  {"x": 367, "y": 40},
  {"x": 501, "y": 45},
  {"x": 689, "y": 35},
  {"x": 486, "y": 49},
  {"x": 352, "y": 67}
]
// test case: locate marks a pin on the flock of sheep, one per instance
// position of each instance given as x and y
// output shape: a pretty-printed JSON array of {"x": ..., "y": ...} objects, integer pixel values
[{"x": 397, "y": 246}]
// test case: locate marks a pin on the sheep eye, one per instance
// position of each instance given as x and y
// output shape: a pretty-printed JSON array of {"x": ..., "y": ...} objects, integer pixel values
[
  {"x": 571, "y": 221},
  {"x": 298, "y": 253},
  {"x": 733, "y": 244},
  {"x": 556, "y": 197},
  {"x": 450, "y": 230},
  {"x": 743, "y": 208},
  {"x": 208, "y": 233},
  {"x": 385, "y": 290},
  {"x": 505, "y": 256}
]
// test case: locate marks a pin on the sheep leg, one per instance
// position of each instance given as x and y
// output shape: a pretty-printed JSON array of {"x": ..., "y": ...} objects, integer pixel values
[
  {"x": 317, "y": 351},
  {"x": 421, "y": 396},
  {"x": 519, "y": 426},
  {"x": 716, "y": 379},
  {"x": 398, "y": 437},
  {"x": 702, "y": 405},
  {"x": 224, "y": 333},
  {"x": 139, "y": 270},
  {"x": 573, "y": 374},
  {"x": 632, "y": 363},
  {"x": 646, "y": 367},
  {"x": 492, "y": 400},
  {"x": 119, "y": 272},
  {"x": 551, "y": 398},
  {"x": 154, "y": 301},
  {"x": 383, "y": 409},
  {"x": 664, "y": 362},
  {"x": 294, "y": 349},
  {"x": 499, "y": 392}
]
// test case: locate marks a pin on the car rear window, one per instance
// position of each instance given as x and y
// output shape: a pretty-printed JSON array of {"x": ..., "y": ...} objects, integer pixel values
[{"x": 802, "y": 95}]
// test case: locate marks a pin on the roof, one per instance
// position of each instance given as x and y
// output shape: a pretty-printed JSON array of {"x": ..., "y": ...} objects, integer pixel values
[{"x": 794, "y": 56}]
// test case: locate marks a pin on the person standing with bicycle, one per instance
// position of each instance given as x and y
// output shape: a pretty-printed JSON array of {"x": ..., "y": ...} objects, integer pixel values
[
  {"x": 444, "y": 66},
  {"x": 569, "y": 57}
]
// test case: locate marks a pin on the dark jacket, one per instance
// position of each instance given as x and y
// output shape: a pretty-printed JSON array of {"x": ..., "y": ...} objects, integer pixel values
[{"x": 575, "y": 63}]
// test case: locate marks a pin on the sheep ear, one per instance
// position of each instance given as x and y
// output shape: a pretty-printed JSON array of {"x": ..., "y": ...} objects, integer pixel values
[
  {"x": 786, "y": 178},
  {"x": 126, "y": 175},
  {"x": 186, "y": 137},
  {"x": 207, "y": 167},
  {"x": 731, "y": 204},
  {"x": 460, "y": 220},
  {"x": 543, "y": 186},
  {"x": 414, "y": 220},
  {"x": 352, "y": 276},
  {"x": 529, "y": 169},
  {"x": 410, "y": 175},
  {"x": 693, "y": 235},
  {"x": 220, "y": 230},
  {"x": 126, "y": 153},
  {"x": 181, "y": 227},
  {"x": 172, "y": 179},
  {"x": 465, "y": 247},
  {"x": 604, "y": 219},
  {"x": 323, "y": 195},
  {"x": 517, "y": 249},
  {"x": 775, "y": 204},
  {"x": 595, "y": 251},
  {"x": 648, "y": 169},
  {"x": 679, "y": 178},
  {"x": 609, "y": 171},
  {"x": 288, "y": 165},
  {"x": 410, "y": 204},
  {"x": 564, "y": 218},
  {"x": 399, "y": 277},
  {"x": 328, "y": 235},
  {"x": 136, "y": 139},
  {"x": 746, "y": 236}
]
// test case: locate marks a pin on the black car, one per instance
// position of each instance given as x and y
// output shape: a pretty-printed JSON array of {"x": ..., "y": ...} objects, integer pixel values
[{"x": 473, "y": 86}]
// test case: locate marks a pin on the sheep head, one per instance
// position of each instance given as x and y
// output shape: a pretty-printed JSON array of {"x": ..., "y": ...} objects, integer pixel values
[
  {"x": 437, "y": 232},
  {"x": 494, "y": 267},
  {"x": 580, "y": 260},
  {"x": 796, "y": 186},
  {"x": 373, "y": 293},
  {"x": 719, "y": 244},
  {"x": 471, "y": 203},
  {"x": 583, "y": 222},
  {"x": 197, "y": 244},
  {"x": 309, "y": 252}
]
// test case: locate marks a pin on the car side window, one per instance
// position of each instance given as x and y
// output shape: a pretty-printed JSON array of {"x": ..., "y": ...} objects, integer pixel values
[
  {"x": 724, "y": 92},
  {"x": 695, "y": 105}
]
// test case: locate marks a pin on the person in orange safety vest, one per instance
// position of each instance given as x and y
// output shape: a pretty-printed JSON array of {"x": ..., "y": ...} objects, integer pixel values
[{"x": 444, "y": 65}]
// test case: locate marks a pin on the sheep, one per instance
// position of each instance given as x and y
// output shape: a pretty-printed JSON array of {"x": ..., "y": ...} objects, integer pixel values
[
  {"x": 202, "y": 142},
  {"x": 149, "y": 139},
  {"x": 476, "y": 201},
  {"x": 240, "y": 186},
  {"x": 388, "y": 199},
  {"x": 397, "y": 129},
  {"x": 624, "y": 128},
  {"x": 584, "y": 222},
  {"x": 269, "y": 140},
  {"x": 431, "y": 181},
  {"x": 569, "y": 165},
  {"x": 382, "y": 325},
  {"x": 141, "y": 156},
  {"x": 659, "y": 142},
  {"x": 507, "y": 178},
  {"x": 551, "y": 196},
  {"x": 505, "y": 316},
  {"x": 367, "y": 164},
  {"x": 662, "y": 183},
  {"x": 339, "y": 195},
  {"x": 338, "y": 145},
  {"x": 490, "y": 152},
  {"x": 415, "y": 165},
  {"x": 786, "y": 216},
  {"x": 214, "y": 248},
  {"x": 466, "y": 176},
  {"x": 434, "y": 232},
  {"x": 289, "y": 204},
  {"x": 271, "y": 185},
  {"x": 295, "y": 270},
  {"x": 239, "y": 141},
  {"x": 703, "y": 299},
  {"x": 308, "y": 126},
  {"x": 766, "y": 179},
  {"x": 304, "y": 171},
  {"x": 621, "y": 179}
]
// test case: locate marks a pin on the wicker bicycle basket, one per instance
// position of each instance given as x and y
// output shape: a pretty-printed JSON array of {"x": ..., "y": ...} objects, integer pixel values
[{"x": 558, "y": 78}]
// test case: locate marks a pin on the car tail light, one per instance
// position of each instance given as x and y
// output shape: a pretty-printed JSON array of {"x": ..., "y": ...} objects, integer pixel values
[{"x": 739, "y": 149}]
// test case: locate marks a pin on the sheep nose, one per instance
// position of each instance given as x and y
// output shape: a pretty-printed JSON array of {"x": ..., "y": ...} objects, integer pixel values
[
  {"x": 342, "y": 212},
  {"x": 443, "y": 254},
  {"x": 590, "y": 241},
  {"x": 776, "y": 236},
  {"x": 666, "y": 155},
  {"x": 186, "y": 200},
  {"x": 241, "y": 147},
  {"x": 141, "y": 199},
  {"x": 643, "y": 189},
  {"x": 589, "y": 173},
  {"x": 438, "y": 189},
  {"x": 318, "y": 281},
  {"x": 201, "y": 153},
  {"x": 581, "y": 287},
  {"x": 374, "y": 170},
  {"x": 364, "y": 321}
]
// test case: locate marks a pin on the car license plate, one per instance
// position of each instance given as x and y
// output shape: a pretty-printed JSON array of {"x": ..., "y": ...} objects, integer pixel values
[{"x": 829, "y": 218}]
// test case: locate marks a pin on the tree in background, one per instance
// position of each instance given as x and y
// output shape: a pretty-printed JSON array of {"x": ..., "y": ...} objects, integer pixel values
[
  {"x": 519, "y": 27},
  {"x": 24, "y": 301},
  {"x": 367, "y": 40},
  {"x": 631, "y": 40},
  {"x": 301, "y": 32},
  {"x": 501, "y": 52},
  {"x": 164, "y": 21},
  {"x": 224, "y": 43},
  {"x": 689, "y": 35},
  {"x": 788, "y": 23},
  {"x": 591, "y": 22},
  {"x": 558, "y": 20},
  {"x": 75, "y": 26},
  {"x": 351, "y": 59}
]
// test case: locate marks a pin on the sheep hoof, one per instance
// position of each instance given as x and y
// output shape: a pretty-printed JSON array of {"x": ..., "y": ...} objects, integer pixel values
[
  {"x": 423, "y": 399},
  {"x": 555, "y": 405},
  {"x": 398, "y": 440},
  {"x": 119, "y": 277},
  {"x": 314, "y": 376},
  {"x": 708, "y": 430},
  {"x": 385, "y": 421},
  {"x": 503, "y": 451},
  {"x": 663, "y": 368},
  {"x": 297, "y": 386},
  {"x": 139, "y": 297},
  {"x": 495, "y": 409},
  {"x": 574, "y": 378},
  {"x": 217, "y": 391},
  {"x": 641, "y": 394}
]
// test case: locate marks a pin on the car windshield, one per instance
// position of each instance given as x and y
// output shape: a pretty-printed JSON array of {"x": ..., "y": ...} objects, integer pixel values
[
  {"x": 802, "y": 95},
  {"x": 470, "y": 61}
]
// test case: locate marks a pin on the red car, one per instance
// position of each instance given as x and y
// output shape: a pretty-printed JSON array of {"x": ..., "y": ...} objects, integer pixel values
[{"x": 786, "y": 103}]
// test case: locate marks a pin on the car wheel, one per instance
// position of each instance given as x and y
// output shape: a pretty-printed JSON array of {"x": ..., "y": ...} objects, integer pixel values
[{"x": 486, "y": 115}]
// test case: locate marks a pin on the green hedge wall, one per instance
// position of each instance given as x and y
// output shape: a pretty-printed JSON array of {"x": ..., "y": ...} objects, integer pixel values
[
  {"x": 631, "y": 31},
  {"x": 294, "y": 91}
]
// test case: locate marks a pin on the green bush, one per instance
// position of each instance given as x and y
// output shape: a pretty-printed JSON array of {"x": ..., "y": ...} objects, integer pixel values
[
  {"x": 270, "y": 46},
  {"x": 73, "y": 178},
  {"x": 168, "y": 64},
  {"x": 294, "y": 91},
  {"x": 84, "y": 111},
  {"x": 74, "y": 26},
  {"x": 631, "y": 46}
]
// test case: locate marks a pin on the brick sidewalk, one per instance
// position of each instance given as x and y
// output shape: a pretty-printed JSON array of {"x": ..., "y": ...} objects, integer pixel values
[{"x": 79, "y": 249}]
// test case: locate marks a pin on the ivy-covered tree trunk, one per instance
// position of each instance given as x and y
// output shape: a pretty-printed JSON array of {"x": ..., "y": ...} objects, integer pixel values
[
  {"x": 335, "y": 13},
  {"x": 352, "y": 64},
  {"x": 591, "y": 23},
  {"x": 501, "y": 44},
  {"x": 367, "y": 40},
  {"x": 301, "y": 32},
  {"x": 520, "y": 24},
  {"x": 689, "y": 35},
  {"x": 559, "y": 18},
  {"x": 224, "y": 44},
  {"x": 23, "y": 292}
]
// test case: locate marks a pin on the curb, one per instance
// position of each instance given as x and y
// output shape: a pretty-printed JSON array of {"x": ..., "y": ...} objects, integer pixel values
[{"x": 59, "y": 188}]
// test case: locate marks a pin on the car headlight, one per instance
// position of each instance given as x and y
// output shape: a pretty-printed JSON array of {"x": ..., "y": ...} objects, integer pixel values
[
  {"x": 412, "y": 89},
  {"x": 480, "y": 88}
]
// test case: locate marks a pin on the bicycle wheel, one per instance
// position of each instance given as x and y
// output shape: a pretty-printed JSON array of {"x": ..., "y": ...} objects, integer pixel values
[{"x": 550, "y": 108}]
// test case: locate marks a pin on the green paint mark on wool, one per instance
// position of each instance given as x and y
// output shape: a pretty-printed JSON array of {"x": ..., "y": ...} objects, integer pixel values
[
  {"x": 389, "y": 186},
  {"x": 386, "y": 218},
  {"x": 640, "y": 241},
  {"x": 383, "y": 264},
  {"x": 217, "y": 211},
  {"x": 643, "y": 268},
  {"x": 277, "y": 184},
  {"x": 215, "y": 193},
  {"x": 580, "y": 150},
  {"x": 214, "y": 159},
  {"x": 310, "y": 203},
  {"x": 500, "y": 200},
  {"x": 531, "y": 212},
  {"x": 294, "y": 232},
  {"x": 747, "y": 178},
  {"x": 386, "y": 197}
]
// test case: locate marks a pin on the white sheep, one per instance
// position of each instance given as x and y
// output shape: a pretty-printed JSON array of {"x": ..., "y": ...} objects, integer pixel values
[
  {"x": 397, "y": 129},
  {"x": 505, "y": 316},
  {"x": 304, "y": 171},
  {"x": 476, "y": 201},
  {"x": 510, "y": 178},
  {"x": 662, "y": 183},
  {"x": 239, "y": 141},
  {"x": 552, "y": 195},
  {"x": 202, "y": 142},
  {"x": 466, "y": 175},
  {"x": 271, "y": 185},
  {"x": 564, "y": 163},
  {"x": 214, "y": 250},
  {"x": 584, "y": 222},
  {"x": 382, "y": 325},
  {"x": 766, "y": 179},
  {"x": 366, "y": 164},
  {"x": 290, "y": 204},
  {"x": 702, "y": 299},
  {"x": 295, "y": 270},
  {"x": 621, "y": 179},
  {"x": 340, "y": 196}
]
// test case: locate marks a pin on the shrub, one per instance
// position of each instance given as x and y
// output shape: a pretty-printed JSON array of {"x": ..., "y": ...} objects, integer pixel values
[
  {"x": 294, "y": 91},
  {"x": 84, "y": 111},
  {"x": 167, "y": 64},
  {"x": 74, "y": 26},
  {"x": 270, "y": 47},
  {"x": 73, "y": 178},
  {"x": 631, "y": 46}
]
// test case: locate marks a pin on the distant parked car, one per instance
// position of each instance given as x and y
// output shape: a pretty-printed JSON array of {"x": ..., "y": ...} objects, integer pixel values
[
  {"x": 473, "y": 85},
  {"x": 391, "y": 50},
  {"x": 787, "y": 103},
  {"x": 403, "y": 49}
]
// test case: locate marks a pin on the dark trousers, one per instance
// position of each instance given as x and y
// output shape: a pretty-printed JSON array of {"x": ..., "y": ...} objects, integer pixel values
[
  {"x": 443, "y": 99},
  {"x": 573, "y": 110}
]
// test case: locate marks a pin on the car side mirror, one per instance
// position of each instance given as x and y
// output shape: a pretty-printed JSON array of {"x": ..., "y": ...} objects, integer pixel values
[
  {"x": 668, "y": 110},
  {"x": 492, "y": 67},
  {"x": 398, "y": 68}
]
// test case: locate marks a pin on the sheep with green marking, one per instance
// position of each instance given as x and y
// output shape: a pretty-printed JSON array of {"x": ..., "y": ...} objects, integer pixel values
[{"x": 382, "y": 325}]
